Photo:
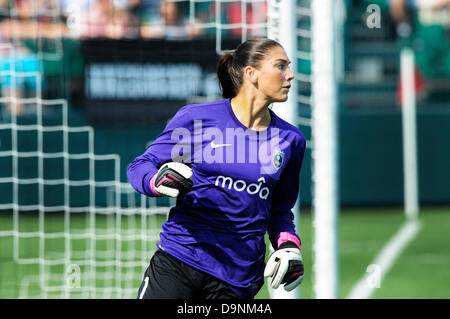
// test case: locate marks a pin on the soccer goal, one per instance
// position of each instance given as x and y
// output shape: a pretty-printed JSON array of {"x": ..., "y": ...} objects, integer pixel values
[
  {"x": 67, "y": 232},
  {"x": 72, "y": 225},
  {"x": 69, "y": 226}
]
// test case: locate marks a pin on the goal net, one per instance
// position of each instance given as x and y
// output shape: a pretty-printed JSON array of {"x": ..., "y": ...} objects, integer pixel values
[
  {"x": 70, "y": 227},
  {"x": 67, "y": 232}
]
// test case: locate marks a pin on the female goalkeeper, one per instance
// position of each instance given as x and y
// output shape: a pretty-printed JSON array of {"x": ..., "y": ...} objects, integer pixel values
[{"x": 234, "y": 167}]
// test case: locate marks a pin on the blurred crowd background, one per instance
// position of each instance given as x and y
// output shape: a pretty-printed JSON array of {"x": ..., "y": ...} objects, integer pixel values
[
  {"x": 130, "y": 19},
  {"x": 371, "y": 51},
  {"x": 423, "y": 25}
]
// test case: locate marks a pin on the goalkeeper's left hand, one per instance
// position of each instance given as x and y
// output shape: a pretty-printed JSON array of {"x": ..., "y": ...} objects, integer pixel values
[
  {"x": 285, "y": 266},
  {"x": 171, "y": 179}
]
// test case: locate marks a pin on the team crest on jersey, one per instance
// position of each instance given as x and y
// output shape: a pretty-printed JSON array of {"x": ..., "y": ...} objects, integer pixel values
[{"x": 278, "y": 157}]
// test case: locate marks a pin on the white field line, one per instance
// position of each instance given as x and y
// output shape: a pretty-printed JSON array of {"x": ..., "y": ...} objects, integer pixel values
[{"x": 365, "y": 286}]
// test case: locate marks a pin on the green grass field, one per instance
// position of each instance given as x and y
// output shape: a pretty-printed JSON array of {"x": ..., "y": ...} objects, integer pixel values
[{"x": 422, "y": 270}]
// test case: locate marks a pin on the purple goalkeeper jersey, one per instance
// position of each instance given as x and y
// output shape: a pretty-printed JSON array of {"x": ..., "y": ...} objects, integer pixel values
[{"x": 245, "y": 183}]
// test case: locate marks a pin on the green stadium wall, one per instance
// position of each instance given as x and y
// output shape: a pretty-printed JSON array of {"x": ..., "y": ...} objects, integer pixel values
[{"x": 370, "y": 156}]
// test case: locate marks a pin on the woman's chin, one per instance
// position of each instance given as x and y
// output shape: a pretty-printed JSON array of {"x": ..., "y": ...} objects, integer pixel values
[
  {"x": 279, "y": 98},
  {"x": 282, "y": 98}
]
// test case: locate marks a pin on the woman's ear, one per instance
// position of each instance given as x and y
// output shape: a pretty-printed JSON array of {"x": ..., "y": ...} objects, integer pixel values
[{"x": 251, "y": 74}]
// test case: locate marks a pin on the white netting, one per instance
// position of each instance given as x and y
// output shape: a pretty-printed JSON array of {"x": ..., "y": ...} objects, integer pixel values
[
  {"x": 65, "y": 231},
  {"x": 94, "y": 233}
]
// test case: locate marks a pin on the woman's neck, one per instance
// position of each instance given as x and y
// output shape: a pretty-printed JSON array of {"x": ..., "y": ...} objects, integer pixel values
[{"x": 251, "y": 112}]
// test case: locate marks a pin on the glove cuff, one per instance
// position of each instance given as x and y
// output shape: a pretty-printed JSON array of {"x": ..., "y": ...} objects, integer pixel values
[
  {"x": 153, "y": 187},
  {"x": 286, "y": 237},
  {"x": 288, "y": 244}
]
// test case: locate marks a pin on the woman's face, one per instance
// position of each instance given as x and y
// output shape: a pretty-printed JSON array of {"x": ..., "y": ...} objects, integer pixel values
[{"x": 274, "y": 75}]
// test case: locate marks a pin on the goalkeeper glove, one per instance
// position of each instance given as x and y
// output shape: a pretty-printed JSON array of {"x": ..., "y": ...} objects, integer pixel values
[
  {"x": 171, "y": 179},
  {"x": 285, "y": 266}
]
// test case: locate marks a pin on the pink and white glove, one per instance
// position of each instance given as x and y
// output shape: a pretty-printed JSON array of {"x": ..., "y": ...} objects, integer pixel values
[
  {"x": 285, "y": 265},
  {"x": 171, "y": 179}
]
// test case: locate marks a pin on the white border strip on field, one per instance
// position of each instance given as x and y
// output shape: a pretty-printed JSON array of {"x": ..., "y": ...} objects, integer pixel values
[{"x": 363, "y": 289}]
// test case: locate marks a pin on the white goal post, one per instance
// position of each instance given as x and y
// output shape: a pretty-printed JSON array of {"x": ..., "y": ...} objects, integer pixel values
[
  {"x": 325, "y": 150},
  {"x": 410, "y": 177},
  {"x": 282, "y": 26}
]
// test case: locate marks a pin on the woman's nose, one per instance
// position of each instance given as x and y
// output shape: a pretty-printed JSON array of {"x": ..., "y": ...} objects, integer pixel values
[{"x": 289, "y": 74}]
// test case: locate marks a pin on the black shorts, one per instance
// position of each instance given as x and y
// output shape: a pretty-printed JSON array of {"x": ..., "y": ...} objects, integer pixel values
[{"x": 169, "y": 278}]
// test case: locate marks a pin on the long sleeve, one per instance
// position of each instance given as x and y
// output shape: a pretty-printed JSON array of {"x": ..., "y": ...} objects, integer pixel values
[
  {"x": 219, "y": 226},
  {"x": 173, "y": 144},
  {"x": 281, "y": 224}
]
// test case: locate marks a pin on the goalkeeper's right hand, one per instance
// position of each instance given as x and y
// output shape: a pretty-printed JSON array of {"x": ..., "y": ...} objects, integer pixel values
[{"x": 171, "y": 179}]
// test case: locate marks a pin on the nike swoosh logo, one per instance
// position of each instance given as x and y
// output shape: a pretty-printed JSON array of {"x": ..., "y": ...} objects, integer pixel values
[{"x": 214, "y": 145}]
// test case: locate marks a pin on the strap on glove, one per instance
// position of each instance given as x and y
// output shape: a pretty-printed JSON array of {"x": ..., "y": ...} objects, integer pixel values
[
  {"x": 285, "y": 266},
  {"x": 171, "y": 179}
]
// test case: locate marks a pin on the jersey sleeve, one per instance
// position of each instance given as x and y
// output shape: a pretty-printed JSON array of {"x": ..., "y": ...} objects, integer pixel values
[
  {"x": 281, "y": 226},
  {"x": 172, "y": 145}
]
